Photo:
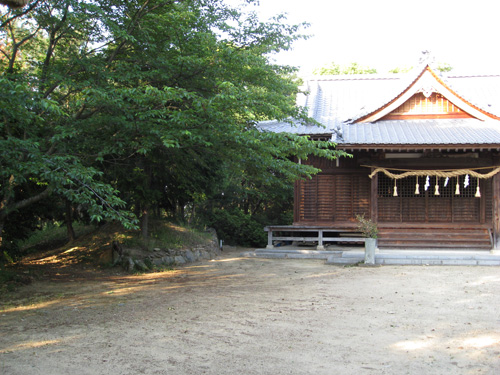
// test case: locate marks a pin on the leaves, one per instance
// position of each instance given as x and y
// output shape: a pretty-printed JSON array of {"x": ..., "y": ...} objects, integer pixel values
[
  {"x": 119, "y": 106},
  {"x": 336, "y": 69}
]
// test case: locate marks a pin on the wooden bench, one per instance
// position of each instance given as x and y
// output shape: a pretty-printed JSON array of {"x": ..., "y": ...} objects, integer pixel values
[{"x": 343, "y": 235}]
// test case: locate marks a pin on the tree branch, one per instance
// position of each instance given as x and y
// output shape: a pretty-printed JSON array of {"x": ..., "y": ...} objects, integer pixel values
[
  {"x": 32, "y": 6},
  {"x": 130, "y": 28},
  {"x": 8, "y": 208}
]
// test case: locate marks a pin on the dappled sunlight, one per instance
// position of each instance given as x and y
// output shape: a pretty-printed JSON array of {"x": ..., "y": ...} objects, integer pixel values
[
  {"x": 227, "y": 260},
  {"x": 468, "y": 346},
  {"x": 146, "y": 276},
  {"x": 178, "y": 228},
  {"x": 49, "y": 259},
  {"x": 483, "y": 341},
  {"x": 76, "y": 248},
  {"x": 29, "y": 345},
  {"x": 123, "y": 286},
  {"x": 30, "y": 306},
  {"x": 182, "y": 279},
  {"x": 323, "y": 274},
  {"x": 119, "y": 292},
  {"x": 413, "y": 345},
  {"x": 486, "y": 280}
]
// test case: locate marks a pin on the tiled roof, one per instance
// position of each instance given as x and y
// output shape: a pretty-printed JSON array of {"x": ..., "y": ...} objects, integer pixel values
[
  {"x": 422, "y": 132},
  {"x": 335, "y": 101}
]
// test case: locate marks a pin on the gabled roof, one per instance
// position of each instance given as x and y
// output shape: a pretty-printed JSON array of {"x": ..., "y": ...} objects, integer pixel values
[
  {"x": 428, "y": 82},
  {"x": 352, "y": 108}
]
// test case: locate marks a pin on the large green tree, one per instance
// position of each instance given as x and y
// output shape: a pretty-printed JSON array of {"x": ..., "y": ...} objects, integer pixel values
[{"x": 117, "y": 106}]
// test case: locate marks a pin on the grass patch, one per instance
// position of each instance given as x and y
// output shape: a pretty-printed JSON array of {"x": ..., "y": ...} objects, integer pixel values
[
  {"x": 7, "y": 275},
  {"x": 165, "y": 235},
  {"x": 11, "y": 279},
  {"x": 51, "y": 235}
]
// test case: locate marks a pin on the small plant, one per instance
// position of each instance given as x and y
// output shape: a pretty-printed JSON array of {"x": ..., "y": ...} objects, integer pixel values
[{"x": 367, "y": 227}]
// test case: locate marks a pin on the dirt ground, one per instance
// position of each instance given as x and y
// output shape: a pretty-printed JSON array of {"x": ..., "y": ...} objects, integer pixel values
[{"x": 238, "y": 315}]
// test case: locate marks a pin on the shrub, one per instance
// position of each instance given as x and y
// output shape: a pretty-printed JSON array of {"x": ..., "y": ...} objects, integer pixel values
[{"x": 237, "y": 228}]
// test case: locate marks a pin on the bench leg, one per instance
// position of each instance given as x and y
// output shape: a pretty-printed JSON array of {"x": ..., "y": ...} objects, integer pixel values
[
  {"x": 270, "y": 240},
  {"x": 320, "y": 240}
]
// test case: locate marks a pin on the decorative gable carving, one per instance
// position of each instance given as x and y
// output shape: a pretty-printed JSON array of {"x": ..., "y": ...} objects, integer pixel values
[
  {"x": 426, "y": 97},
  {"x": 426, "y": 105}
]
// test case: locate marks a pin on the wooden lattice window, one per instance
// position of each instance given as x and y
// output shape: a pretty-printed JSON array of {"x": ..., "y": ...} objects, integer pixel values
[
  {"x": 406, "y": 187},
  {"x": 449, "y": 206}
]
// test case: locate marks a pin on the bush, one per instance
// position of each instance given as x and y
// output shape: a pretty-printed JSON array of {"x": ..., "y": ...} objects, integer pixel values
[{"x": 237, "y": 228}]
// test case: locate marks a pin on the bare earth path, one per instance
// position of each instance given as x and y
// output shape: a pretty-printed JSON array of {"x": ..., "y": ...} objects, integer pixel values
[{"x": 258, "y": 316}]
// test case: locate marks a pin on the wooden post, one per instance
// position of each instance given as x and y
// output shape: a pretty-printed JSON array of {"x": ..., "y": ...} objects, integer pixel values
[
  {"x": 496, "y": 212},
  {"x": 374, "y": 199},
  {"x": 482, "y": 200},
  {"x": 296, "y": 202}
]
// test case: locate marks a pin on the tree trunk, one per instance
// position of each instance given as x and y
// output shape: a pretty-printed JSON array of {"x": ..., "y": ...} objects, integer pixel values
[
  {"x": 69, "y": 221},
  {"x": 6, "y": 206},
  {"x": 192, "y": 214},
  {"x": 145, "y": 224},
  {"x": 146, "y": 210},
  {"x": 1, "y": 231}
]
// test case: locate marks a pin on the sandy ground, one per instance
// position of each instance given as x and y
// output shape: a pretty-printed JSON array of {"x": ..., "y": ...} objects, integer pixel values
[{"x": 258, "y": 316}]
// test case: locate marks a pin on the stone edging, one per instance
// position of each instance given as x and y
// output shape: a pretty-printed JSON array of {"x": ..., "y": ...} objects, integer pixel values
[{"x": 139, "y": 260}]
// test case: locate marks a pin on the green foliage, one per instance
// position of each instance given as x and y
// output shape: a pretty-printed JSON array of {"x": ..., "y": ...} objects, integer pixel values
[
  {"x": 166, "y": 235},
  {"x": 8, "y": 279},
  {"x": 401, "y": 70},
  {"x": 444, "y": 67},
  {"x": 233, "y": 226},
  {"x": 50, "y": 233},
  {"x": 336, "y": 69},
  {"x": 127, "y": 108},
  {"x": 8, "y": 258},
  {"x": 367, "y": 226},
  {"x": 441, "y": 67}
]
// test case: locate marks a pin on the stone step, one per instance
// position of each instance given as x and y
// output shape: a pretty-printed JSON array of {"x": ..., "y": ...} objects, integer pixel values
[
  {"x": 395, "y": 257},
  {"x": 424, "y": 237},
  {"x": 420, "y": 259},
  {"x": 439, "y": 262}
]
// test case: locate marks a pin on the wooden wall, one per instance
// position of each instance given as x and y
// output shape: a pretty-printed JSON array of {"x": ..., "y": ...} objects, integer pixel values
[
  {"x": 341, "y": 191},
  {"x": 336, "y": 195}
]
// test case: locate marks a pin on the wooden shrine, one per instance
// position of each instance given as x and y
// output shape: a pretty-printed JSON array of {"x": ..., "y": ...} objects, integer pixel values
[{"x": 426, "y": 158}]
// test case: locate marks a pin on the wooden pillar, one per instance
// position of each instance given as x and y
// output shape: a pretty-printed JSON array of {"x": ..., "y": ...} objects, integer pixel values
[
  {"x": 374, "y": 199},
  {"x": 496, "y": 212},
  {"x": 296, "y": 202},
  {"x": 482, "y": 200}
]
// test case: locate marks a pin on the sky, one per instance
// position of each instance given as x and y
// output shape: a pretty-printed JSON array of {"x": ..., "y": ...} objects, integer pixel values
[{"x": 385, "y": 34}]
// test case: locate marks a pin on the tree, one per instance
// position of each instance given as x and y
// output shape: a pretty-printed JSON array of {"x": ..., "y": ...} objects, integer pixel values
[
  {"x": 442, "y": 67},
  {"x": 120, "y": 106},
  {"x": 336, "y": 69}
]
